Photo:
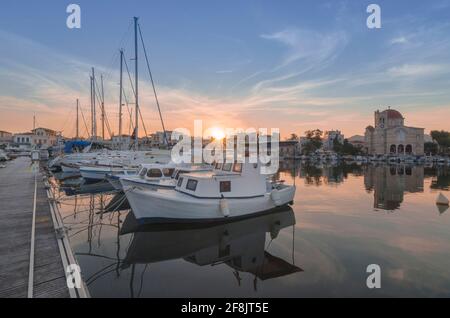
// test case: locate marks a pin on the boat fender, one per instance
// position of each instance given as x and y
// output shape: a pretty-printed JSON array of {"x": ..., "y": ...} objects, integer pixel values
[
  {"x": 224, "y": 207},
  {"x": 276, "y": 198}
]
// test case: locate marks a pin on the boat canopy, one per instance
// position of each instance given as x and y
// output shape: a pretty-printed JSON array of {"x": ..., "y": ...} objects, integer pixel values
[{"x": 70, "y": 146}]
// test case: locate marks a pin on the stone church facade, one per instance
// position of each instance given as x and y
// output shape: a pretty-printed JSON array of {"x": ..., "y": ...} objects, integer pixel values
[{"x": 390, "y": 136}]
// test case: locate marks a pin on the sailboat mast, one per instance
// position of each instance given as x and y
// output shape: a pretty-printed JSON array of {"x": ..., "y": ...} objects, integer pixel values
[
  {"x": 94, "y": 123},
  {"x": 103, "y": 108},
  {"x": 92, "y": 109},
  {"x": 120, "y": 95},
  {"x": 136, "y": 137},
  {"x": 78, "y": 131}
]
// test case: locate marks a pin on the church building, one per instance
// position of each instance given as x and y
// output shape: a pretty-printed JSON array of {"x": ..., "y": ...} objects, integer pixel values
[{"x": 391, "y": 136}]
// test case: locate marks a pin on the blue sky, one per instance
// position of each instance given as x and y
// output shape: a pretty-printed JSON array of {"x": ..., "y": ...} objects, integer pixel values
[{"x": 294, "y": 65}]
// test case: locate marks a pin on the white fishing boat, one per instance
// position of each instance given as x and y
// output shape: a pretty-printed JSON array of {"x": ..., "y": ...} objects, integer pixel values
[
  {"x": 124, "y": 164},
  {"x": 156, "y": 176},
  {"x": 230, "y": 191},
  {"x": 3, "y": 156},
  {"x": 98, "y": 172}
]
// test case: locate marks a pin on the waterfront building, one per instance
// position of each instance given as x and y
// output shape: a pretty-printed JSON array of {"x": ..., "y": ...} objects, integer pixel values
[
  {"x": 5, "y": 137},
  {"x": 39, "y": 137},
  {"x": 330, "y": 137},
  {"x": 121, "y": 141},
  {"x": 358, "y": 141},
  {"x": 44, "y": 137},
  {"x": 289, "y": 149},
  {"x": 391, "y": 136},
  {"x": 23, "y": 139}
]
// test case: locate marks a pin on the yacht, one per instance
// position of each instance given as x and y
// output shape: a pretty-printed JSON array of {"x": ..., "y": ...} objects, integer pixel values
[
  {"x": 127, "y": 163},
  {"x": 229, "y": 191}
]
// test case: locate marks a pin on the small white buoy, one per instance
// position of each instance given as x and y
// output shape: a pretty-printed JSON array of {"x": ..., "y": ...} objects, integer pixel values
[
  {"x": 224, "y": 207},
  {"x": 442, "y": 200}
]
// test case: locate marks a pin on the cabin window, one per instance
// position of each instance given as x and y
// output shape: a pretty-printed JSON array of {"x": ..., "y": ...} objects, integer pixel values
[
  {"x": 218, "y": 166},
  {"x": 177, "y": 175},
  {"x": 225, "y": 186},
  {"x": 168, "y": 172},
  {"x": 180, "y": 182},
  {"x": 154, "y": 173},
  {"x": 227, "y": 166},
  {"x": 237, "y": 167},
  {"x": 143, "y": 172},
  {"x": 191, "y": 185}
]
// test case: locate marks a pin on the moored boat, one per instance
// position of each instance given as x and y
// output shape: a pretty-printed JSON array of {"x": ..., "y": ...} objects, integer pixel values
[{"x": 230, "y": 191}]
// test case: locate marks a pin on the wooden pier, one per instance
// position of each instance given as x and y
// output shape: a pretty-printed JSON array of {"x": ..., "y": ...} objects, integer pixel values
[{"x": 21, "y": 193}]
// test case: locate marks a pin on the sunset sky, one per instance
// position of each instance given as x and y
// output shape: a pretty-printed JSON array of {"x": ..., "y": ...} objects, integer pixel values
[{"x": 294, "y": 65}]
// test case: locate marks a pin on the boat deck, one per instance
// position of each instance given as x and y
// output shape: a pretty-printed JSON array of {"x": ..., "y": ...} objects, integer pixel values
[{"x": 17, "y": 195}]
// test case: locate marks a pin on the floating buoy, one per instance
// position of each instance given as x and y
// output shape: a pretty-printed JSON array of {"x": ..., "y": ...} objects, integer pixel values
[
  {"x": 442, "y": 200},
  {"x": 224, "y": 207}
]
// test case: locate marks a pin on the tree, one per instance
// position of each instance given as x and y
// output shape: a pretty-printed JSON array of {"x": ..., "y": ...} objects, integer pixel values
[
  {"x": 345, "y": 148},
  {"x": 293, "y": 137},
  {"x": 314, "y": 141},
  {"x": 442, "y": 138},
  {"x": 431, "y": 148}
]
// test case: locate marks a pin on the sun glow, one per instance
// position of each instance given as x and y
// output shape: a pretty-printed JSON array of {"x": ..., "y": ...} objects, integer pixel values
[{"x": 217, "y": 133}]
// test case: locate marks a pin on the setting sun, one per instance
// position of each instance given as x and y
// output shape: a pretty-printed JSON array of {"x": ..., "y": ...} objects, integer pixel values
[{"x": 217, "y": 133}]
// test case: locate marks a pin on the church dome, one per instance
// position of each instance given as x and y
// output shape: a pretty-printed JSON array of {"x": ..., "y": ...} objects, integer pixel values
[{"x": 393, "y": 114}]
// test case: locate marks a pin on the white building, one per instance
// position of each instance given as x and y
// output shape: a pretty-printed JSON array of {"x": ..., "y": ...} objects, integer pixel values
[
  {"x": 23, "y": 139},
  {"x": 121, "y": 141},
  {"x": 330, "y": 137},
  {"x": 5, "y": 137},
  {"x": 44, "y": 137},
  {"x": 39, "y": 137}
]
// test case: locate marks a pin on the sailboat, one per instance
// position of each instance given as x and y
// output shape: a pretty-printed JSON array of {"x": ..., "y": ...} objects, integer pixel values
[{"x": 122, "y": 162}]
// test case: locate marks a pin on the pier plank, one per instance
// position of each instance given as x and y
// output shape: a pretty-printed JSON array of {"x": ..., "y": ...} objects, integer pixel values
[{"x": 16, "y": 211}]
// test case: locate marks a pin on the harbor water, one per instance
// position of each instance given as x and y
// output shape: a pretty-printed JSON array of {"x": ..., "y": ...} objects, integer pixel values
[{"x": 344, "y": 218}]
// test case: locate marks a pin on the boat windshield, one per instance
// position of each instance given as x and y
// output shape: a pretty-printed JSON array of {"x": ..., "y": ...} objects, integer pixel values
[
  {"x": 227, "y": 166},
  {"x": 168, "y": 172},
  {"x": 143, "y": 172}
]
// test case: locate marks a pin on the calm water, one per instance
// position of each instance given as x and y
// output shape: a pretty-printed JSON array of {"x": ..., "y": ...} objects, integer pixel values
[{"x": 343, "y": 219}]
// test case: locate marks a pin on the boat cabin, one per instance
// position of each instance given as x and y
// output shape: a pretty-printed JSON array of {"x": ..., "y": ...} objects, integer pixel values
[
  {"x": 156, "y": 171},
  {"x": 167, "y": 171},
  {"x": 226, "y": 180}
]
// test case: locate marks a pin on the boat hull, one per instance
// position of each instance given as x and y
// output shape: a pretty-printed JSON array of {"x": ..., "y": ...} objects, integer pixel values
[
  {"x": 131, "y": 182},
  {"x": 169, "y": 206},
  {"x": 69, "y": 168}
]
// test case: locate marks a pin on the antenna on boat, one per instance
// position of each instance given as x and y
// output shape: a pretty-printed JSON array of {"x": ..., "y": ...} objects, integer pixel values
[{"x": 136, "y": 129}]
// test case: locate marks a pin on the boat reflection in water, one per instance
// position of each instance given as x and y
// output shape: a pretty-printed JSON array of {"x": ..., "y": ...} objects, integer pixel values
[{"x": 241, "y": 245}]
